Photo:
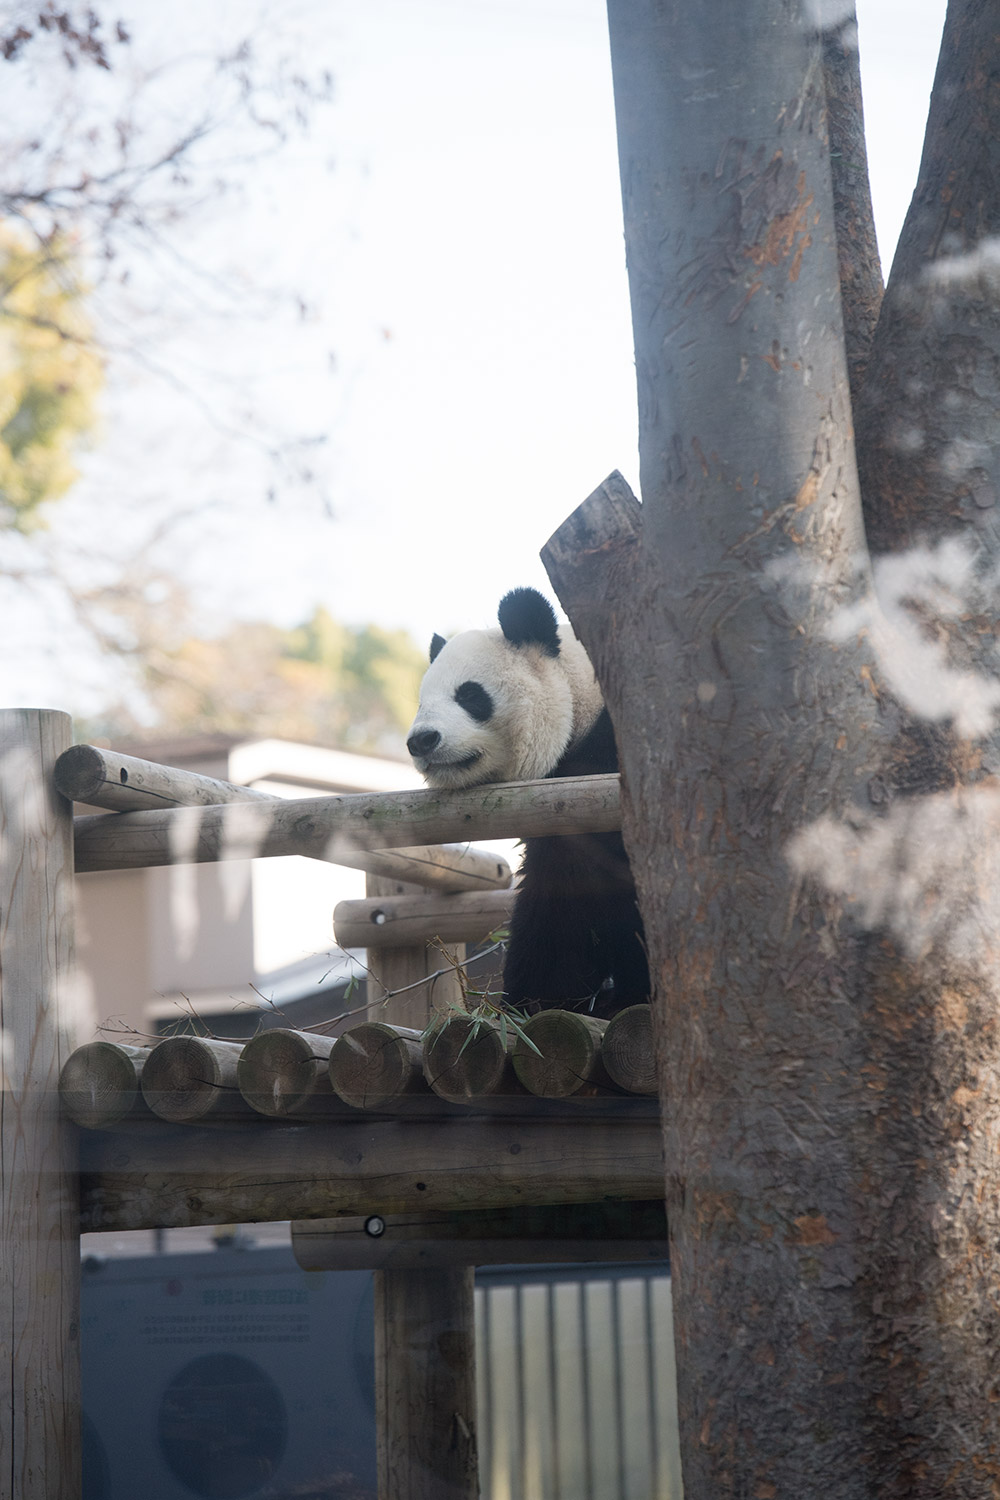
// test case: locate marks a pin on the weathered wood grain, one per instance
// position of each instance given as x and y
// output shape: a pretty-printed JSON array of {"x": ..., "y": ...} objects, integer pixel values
[
  {"x": 338, "y": 828},
  {"x": 99, "y": 1083},
  {"x": 425, "y": 1354},
  {"x": 568, "y": 1056},
  {"x": 187, "y": 1078},
  {"x": 425, "y": 1371},
  {"x": 374, "y": 1065},
  {"x": 467, "y": 1058},
  {"x": 597, "y": 1232},
  {"x": 283, "y": 1073},
  {"x": 123, "y": 783},
  {"x": 154, "y": 1174},
  {"x": 39, "y": 1223},
  {"x": 399, "y": 921},
  {"x": 627, "y": 1050}
]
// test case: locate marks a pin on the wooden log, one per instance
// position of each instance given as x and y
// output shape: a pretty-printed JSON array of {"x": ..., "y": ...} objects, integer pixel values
[
  {"x": 187, "y": 1078},
  {"x": 338, "y": 828},
  {"x": 467, "y": 1057},
  {"x": 425, "y": 1381},
  {"x": 568, "y": 1059},
  {"x": 438, "y": 867},
  {"x": 150, "y": 1174},
  {"x": 123, "y": 783},
  {"x": 99, "y": 1083},
  {"x": 39, "y": 1221},
  {"x": 283, "y": 1073},
  {"x": 593, "y": 1232},
  {"x": 399, "y": 921},
  {"x": 627, "y": 1050},
  {"x": 374, "y": 1065}
]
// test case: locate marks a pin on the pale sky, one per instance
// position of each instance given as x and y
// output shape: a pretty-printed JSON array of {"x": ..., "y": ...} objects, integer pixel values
[{"x": 455, "y": 219}]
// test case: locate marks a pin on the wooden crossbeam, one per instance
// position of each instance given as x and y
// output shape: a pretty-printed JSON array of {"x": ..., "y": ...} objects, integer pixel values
[
  {"x": 574, "y": 1232},
  {"x": 335, "y": 828},
  {"x": 151, "y": 1174},
  {"x": 124, "y": 783}
]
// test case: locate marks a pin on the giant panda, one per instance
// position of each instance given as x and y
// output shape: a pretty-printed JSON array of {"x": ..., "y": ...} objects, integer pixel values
[{"x": 518, "y": 704}]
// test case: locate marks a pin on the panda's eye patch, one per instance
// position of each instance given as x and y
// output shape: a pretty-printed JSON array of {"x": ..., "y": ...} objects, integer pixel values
[{"x": 476, "y": 701}]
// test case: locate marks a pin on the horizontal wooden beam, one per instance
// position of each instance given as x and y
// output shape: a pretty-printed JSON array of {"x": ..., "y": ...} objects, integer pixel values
[
  {"x": 154, "y": 1175},
  {"x": 337, "y": 828},
  {"x": 124, "y": 783},
  {"x": 398, "y": 921},
  {"x": 598, "y": 1232}
]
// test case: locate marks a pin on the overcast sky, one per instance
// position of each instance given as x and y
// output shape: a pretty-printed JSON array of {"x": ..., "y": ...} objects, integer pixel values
[{"x": 454, "y": 220}]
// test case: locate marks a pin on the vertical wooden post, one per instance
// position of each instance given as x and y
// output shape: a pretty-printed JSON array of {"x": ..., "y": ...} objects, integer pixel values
[
  {"x": 39, "y": 1218},
  {"x": 396, "y": 968},
  {"x": 425, "y": 1347}
]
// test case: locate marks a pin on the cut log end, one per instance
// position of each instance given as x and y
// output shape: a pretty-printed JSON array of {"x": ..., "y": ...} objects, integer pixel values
[
  {"x": 627, "y": 1050},
  {"x": 99, "y": 1083},
  {"x": 374, "y": 1064},
  {"x": 189, "y": 1077},
  {"x": 283, "y": 1072},
  {"x": 568, "y": 1056},
  {"x": 466, "y": 1058}
]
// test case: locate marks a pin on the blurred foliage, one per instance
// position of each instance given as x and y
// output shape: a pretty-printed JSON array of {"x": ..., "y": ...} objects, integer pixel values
[
  {"x": 321, "y": 683},
  {"x": 50, "y": 377},
  {"x": 126, "y": 140}
]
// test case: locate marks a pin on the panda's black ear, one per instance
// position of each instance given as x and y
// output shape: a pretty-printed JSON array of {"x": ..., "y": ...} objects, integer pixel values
[
  {"x": 437, "y": 641},
  {"x": 528, "y": 619}
]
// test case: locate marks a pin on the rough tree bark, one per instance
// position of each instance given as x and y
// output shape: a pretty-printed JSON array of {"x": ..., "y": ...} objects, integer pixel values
[
  {"x": 818, "y": 907},
  {"x": 928, "y": 423}
]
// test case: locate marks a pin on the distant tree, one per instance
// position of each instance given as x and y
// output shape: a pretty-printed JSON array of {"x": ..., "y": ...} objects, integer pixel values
[
  {"x": 322, "y": 682},
  {"x": 50, "y": 376},
  {"x": 111, "y": 144},
  {"x": 118, "y": 145}
]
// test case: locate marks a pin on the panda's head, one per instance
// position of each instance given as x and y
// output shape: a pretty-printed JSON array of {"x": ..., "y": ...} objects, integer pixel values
[{"x": 503, "y": 705}]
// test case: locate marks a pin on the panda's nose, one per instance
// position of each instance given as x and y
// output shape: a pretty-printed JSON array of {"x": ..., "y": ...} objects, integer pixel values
[{"x": 423, "y": 742}]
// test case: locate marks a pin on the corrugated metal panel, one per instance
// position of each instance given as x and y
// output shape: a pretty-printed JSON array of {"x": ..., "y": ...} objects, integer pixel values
[{"x": 577, "y": 1390}]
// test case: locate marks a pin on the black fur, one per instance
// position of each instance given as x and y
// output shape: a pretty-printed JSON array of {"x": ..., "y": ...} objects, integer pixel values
[
  {"x": 576, "y": 924},
  {"x": 528, "y": 619},
  {"x": 438, "y": 643},
  {"x": 476, "y": 701}
]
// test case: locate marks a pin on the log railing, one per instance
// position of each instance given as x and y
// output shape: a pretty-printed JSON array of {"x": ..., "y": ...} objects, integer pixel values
[
  {"x": 125, "y": 784},
  {"x": 338, "y": 828}
]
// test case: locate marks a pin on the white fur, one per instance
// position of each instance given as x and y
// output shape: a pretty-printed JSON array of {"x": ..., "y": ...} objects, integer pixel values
[{"x": 541, "y": 706}]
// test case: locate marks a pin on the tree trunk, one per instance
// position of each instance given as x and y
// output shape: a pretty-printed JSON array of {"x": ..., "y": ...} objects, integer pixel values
[{"x": 824, "y": 1016}]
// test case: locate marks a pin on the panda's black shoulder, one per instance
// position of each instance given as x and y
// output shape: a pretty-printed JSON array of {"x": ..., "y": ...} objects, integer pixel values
[{"x": 595, "y": 753}]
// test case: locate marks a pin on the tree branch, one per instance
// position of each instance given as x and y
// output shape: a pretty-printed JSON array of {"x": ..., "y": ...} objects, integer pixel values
[
  {"x": 927, "y": 429},
  {"x": 857, "y": 246}
]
